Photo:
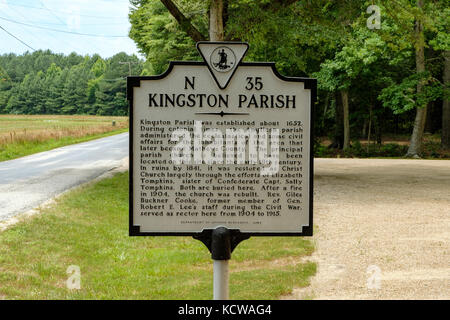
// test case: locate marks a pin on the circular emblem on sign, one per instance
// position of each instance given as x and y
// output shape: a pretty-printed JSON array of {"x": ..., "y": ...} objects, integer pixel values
[{"x": 222, "y": 59}]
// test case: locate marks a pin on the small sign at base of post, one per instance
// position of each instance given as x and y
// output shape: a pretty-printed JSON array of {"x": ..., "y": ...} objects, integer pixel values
[{"x": 221, "y": 150}]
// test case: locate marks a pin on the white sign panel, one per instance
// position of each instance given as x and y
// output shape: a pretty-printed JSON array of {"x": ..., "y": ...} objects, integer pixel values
[{"x": 221, "y": 143}]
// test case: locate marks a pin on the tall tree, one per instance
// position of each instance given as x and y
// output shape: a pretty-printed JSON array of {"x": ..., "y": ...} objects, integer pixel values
[{"x": 415, "y": 144}]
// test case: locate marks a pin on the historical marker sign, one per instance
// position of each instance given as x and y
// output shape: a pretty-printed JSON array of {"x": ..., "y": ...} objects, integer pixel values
[{"x": 221, "y": 143}]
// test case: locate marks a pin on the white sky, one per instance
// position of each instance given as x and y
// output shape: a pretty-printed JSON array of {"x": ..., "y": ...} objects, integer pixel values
[{"x": 106, "y": 18}]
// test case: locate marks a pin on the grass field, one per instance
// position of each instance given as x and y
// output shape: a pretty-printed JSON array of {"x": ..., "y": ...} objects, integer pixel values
[
  {"x": 22, "y": 135},
  {"x": 89, "y": 228}
]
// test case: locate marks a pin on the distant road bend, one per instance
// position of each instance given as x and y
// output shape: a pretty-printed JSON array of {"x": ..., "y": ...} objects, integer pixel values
[{"x": 27, "y": 182}]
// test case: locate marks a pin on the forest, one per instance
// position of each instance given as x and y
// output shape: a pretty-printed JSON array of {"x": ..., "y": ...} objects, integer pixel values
[
  {"x": 383, "y": 67},
  {"x": 43, "y": 82}
]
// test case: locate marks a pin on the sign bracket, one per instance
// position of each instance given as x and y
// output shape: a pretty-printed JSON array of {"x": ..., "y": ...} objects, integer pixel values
[{"x": 221, "y": 242}]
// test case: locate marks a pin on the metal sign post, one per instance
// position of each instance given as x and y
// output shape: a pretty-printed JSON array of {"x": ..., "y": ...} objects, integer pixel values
[
  {"x": 220, "y": 280},
  {"x": 221, "y": 150}
]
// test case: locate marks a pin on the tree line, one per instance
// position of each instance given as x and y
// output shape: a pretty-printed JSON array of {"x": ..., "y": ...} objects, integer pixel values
[
  {"x": 43, "y": 82},
  {"x": 382, "y": 66}
]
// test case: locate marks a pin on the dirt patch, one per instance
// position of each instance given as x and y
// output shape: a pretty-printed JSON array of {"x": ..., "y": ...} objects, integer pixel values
[{"x": 383, "y": 230}]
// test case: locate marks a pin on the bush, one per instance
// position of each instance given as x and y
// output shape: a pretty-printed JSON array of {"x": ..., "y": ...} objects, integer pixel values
[{"x": 392, "y": 150}]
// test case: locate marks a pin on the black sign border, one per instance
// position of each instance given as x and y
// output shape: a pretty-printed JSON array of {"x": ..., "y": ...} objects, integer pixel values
[{"x": 309, "y": 84}]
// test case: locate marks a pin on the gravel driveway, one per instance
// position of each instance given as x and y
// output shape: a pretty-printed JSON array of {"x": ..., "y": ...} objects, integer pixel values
[{"x": 382, "y": 230}]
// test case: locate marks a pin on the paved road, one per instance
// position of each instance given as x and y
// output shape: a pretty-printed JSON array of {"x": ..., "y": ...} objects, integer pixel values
[{"x": 27, "y": 182}]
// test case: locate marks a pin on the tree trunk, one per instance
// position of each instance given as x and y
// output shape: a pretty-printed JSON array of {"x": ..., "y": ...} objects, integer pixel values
[
  {"x": 344, "y": 95},
  {"x": 445, "y": 139},
  {"x": 370, "y": 128},
  {"x": 216, "y": 25},
  {"x": 364, "y": 129},
  {"x": 338, "y": 137},
  {"x": 379, "y": 128},
  {"x": 429, "y": 121},
  {"x": 327, "y": 101},
  {"x": 415, "y": 145}
]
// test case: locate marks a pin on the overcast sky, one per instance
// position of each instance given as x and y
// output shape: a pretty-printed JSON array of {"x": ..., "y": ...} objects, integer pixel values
[{"x": 89, "y": 26}]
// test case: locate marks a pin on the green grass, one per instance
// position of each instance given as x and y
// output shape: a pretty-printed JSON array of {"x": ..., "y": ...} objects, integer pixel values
[
  {"x": 22, "y": 135},
  {"x": 37, "y": 123},
  {"x": 89, "y": 228}
]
